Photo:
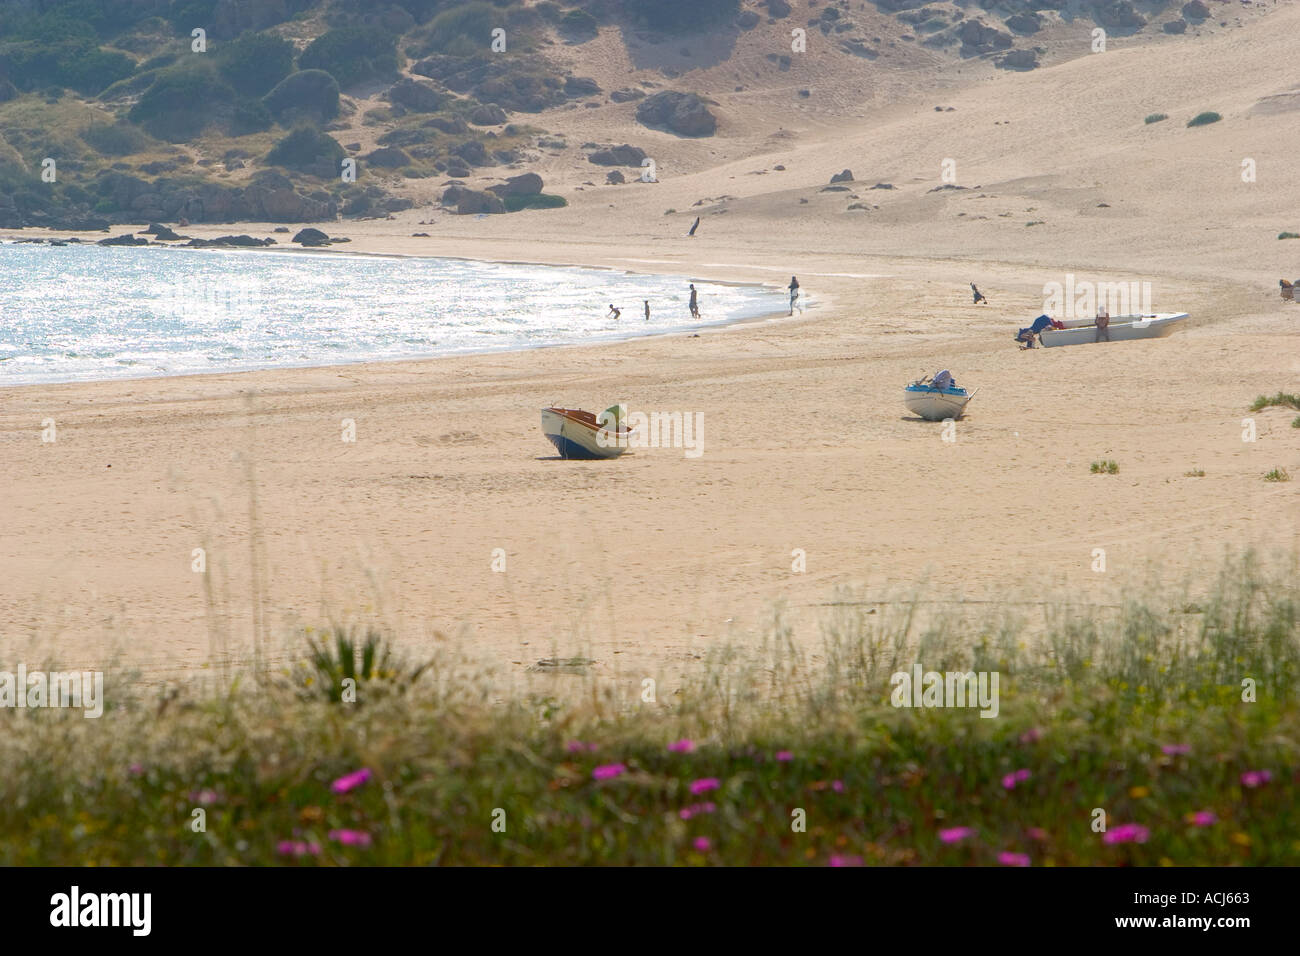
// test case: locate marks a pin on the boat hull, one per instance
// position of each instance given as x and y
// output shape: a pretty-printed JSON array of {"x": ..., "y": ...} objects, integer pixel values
[
  {"x": 934, "y": 405},
  {"x": 576, "y": 437},
  {"x": 1123, "y": 328}
]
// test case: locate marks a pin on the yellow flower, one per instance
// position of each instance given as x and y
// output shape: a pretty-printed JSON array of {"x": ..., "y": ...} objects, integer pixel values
[
  {"x": 1241, "y": 839},
  {"x": 1137, "y": 793}
]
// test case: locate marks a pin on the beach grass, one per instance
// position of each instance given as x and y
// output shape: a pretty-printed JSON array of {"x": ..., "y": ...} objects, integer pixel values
[
  {"x": 1279, "y": 399},
  {"x": 1204, "y": 119},
  {"x": 1156, "y": 118},
  {"x": 1104, "y": 468},
  {"x": 1278, "y": 474},
  {"x": 1176, "y": 727}
]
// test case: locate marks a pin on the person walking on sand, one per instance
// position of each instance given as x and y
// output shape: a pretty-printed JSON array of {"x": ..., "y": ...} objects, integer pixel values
[
  {"x": 613, "y": 312},
  {"x": 695, "y": 302},
  {"x": 979, "y": 296},
  {"x": 647, "y": 310},
  {"x": 695, "y": 225},
  {"x": 794, "y": 294}
]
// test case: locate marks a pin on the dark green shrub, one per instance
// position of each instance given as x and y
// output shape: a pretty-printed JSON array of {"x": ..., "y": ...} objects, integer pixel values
[
  {"x": 310, "y": 93},
  {"x": 183, "y": 101},
  {"x": 1155, "y": 118},
  {"x": 255, "y": 62},
  {"x": 1204, "y": 119},
  {"x": 352, "y": 54},
  {"x": 305, "y": 148},
  {"x": 118, "y": 139},
  {"x": 250, "y": 116},
  {"x": 534, "y": 201}
]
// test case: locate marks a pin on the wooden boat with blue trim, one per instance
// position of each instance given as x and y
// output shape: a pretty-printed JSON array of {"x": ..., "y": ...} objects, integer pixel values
[
  {"x": 936, "y": 404},
  {"x": 578, "y": 434}
]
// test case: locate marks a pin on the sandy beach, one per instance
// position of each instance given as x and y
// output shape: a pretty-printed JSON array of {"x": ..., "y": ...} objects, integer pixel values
[{"x": 648, "y": 562}]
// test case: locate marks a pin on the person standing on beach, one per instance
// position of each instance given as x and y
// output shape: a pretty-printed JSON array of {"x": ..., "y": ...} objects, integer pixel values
[
  {"x": 794, "y": 294},
  {"x": 695, "y": 302},
  {"x": 647, "y": 310},
  {"x": 1103, "y": 325},
  {"x": 979, "y": 296},
  {"x": 613, "y": 312},
  {"x": 695, "y": 225}
]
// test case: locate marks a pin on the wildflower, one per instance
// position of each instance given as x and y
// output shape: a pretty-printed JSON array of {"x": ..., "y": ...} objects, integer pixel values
[
  {"x": 1037, "y": 833},
  {"x": 1137, "y": 793},
  {"x": 682, "y": 746},
  {"x": 1173, "y": 750},
  {"x": 351, "y": 781},
  {"x": 1030, "y": 735},
  {"x": 837, "y": 786},
  {"x": 204, "y": 797},
  {"x": 135, "y": 769},
  {"x": 955, "y": 834},
  {"x": 351, "y": 837},
  {"x": 784, "y": 756},
  {"x": 1008, "y": 858},
  {"x": 297, "y": 848},
  {"x": 696, "y": 808},
  {"x": 1201, "y": 818},
  {"x": 1256, "y": 778},
  {"x": 705, "y": 785},
  {"x": 838, "y": 859},
  {"x": 1010, "y": 780},
  {"x": 1127, "y": 833},
  {"x": 574, "y": 746},
  {"x": 608, "y": 771},
  {"x": 702, "y": 844}
]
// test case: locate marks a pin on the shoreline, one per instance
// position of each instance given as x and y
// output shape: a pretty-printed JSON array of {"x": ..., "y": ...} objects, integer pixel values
[{"x": 823, "y": 301}]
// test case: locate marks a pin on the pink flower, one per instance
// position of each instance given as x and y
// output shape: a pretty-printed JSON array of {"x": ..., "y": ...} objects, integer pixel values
[
  {"x": 1173, "y": 750},
  {"x": 351, "y": 781},
  {"x": 351, "y": 837},
  {"x": 1202, "y": 818},
  {"x": 297, "y": 848},
  {"x": 955, "y": 834},
  {"x": 204, "y": 797},
  {"x": 135, "y": 770},
  {"x": 705, "y": 785},
  {"x": 1030, "y": 735},
  {"x": 1127, "y": 833},
  {"x": 845, "y": 860},
  {"x": 784, "y": 756},
  {"x": 702, "y": 844},
  {"x": 573, "y": 746},
  {"x": 1256, "y": 778},
  {"x": 1010, "y": 780},
  {"x": 837, "y": 786},
  {"x": 608, "y": 771},
  {"x": 682, "y": 746},
  {"x": 1037, "y": 833},
  {"x": 1013, "y": 859},
  {"x": 696, "y": 808}
]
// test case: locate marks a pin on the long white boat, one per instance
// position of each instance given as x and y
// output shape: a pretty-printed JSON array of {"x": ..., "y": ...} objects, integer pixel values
[
  {"x": 1123, "y": 328},
  {"x": 936, "y": 404},
  {"x": 577, "y": 434}
]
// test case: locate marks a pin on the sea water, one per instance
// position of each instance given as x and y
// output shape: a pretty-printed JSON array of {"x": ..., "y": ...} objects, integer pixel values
[{"x": 86, "y": 312}]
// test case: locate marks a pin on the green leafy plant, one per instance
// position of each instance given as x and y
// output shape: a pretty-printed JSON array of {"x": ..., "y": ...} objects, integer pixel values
[
  {"x": 1204, "y": 119},
  {"x": 1278, "y": 474}
]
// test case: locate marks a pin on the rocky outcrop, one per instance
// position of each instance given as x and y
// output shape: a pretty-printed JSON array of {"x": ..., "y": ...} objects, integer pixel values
[
  {"x": 270, "y": 197},
  {"x": 311, "y": 237},
  {"x": 528, "y": 184},
  {"x": 1195, "y": 10},
  {"x": 576, "y": 86},
  {"x": 126, "y": 239},
  {"x": 388, "y": 157},
  {"x": 845, "y": 176},
  {"x": 1019, "y": 60},
  {"x": 624, "y": 155},
  {"x": 416, "y": 96},
  {"x": 488, "y": 114},
  {"x": 627, "y": 95},
  {"x": 471, "y": 202},
  {"x": 685, "y": 114},
  {"x": 977, "y": 38}
]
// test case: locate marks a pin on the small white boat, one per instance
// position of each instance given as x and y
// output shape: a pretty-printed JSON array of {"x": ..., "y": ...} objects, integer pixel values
[
  {"x": 1123, "y": 328},
  {"x": 578, "y": 434},
  {"x": 936, "y": 404}
]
